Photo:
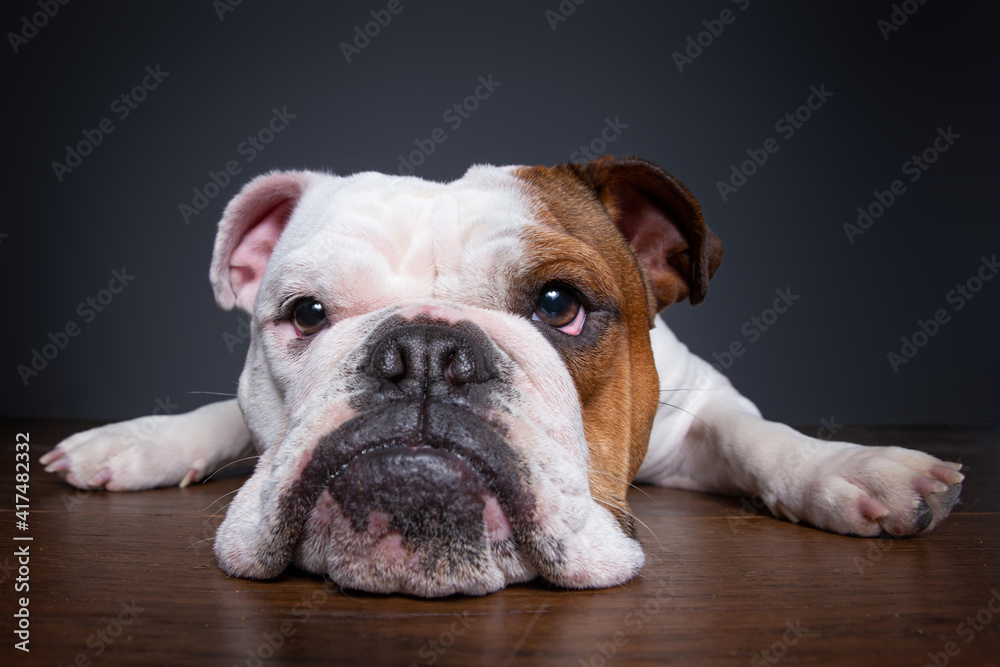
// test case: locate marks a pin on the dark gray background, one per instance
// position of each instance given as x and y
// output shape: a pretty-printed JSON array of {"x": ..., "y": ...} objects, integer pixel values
[{"x": 160, "y": 342}]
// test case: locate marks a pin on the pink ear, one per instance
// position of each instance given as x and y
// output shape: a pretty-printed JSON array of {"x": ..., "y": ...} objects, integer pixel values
[{"x": 250, "y": 226}]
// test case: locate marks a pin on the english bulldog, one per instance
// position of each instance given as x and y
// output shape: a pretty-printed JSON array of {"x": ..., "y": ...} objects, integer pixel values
[{"x": 452, "y": 386}]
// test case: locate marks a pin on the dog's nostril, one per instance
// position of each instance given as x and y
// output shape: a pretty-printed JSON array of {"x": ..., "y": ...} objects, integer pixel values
[
  {"x": 460, "y": 368},
  {"x": 449, "y": 373},
  {"x": 388, "y": 363}
]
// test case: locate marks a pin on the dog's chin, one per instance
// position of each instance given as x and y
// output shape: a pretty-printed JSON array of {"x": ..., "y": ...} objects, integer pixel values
[
  {"x": 433, "y": 509},
  {"x": 431, "y": 555}
]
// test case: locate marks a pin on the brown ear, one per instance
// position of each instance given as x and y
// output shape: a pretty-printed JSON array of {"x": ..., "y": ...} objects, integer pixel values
[
  {"x": 662, "y": 221},
  {"x": 250, "y": 227}
]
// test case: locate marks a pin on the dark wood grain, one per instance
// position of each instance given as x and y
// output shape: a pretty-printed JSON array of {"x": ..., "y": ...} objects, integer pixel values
[{"x": 130, "y": 579}]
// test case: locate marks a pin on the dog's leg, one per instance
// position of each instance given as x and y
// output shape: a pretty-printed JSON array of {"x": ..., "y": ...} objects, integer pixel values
[
  {"x": 708, "y": 437},
  {"x": 153, "y": 451}
]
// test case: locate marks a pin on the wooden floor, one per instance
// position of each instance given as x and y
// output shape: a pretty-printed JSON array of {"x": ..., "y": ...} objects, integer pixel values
[{"x": 130, "y": 579}]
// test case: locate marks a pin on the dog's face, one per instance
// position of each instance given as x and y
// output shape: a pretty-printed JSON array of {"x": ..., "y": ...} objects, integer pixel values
[{"x": 451, "y": 385}]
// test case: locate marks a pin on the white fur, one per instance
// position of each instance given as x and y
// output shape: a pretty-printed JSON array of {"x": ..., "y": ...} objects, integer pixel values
[{"x": 711, "y": 438}]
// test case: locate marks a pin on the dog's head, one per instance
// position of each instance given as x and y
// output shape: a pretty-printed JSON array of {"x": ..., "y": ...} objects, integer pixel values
[{"x": 451, "y": 385}]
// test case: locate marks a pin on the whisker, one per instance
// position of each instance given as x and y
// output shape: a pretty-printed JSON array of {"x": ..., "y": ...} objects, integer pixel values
[
  {"x": 637, "y": 519},
  {"x": 688, "y": 412},
  {"x": 213, "y": 393},
  {"x": 194, "y": 544},
  {"x": 619, "y": 478},
  {"x": 695, "y": 389},
  {"x": 247, "y": 458},
  {"x": 204, "y": 509},
  {"x": 655, "y": 555},
  {"x": 219, "y": 512}
]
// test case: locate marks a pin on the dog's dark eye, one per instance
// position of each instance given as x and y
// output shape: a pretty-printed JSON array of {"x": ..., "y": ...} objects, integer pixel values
[
  {"x": 308, "y": 316},
  {"x": 559, "y": 307}
]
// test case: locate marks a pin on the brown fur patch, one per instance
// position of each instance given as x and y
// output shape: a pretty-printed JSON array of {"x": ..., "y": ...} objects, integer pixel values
[{"x": 615, "y": 378}]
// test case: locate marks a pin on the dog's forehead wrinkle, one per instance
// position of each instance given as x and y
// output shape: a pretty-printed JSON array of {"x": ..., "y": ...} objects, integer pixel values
[{"x": 390, "y": 238}]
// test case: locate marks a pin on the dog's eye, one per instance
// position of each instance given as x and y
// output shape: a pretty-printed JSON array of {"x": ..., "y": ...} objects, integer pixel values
[
  {"x": 308, "y": 316},
  {"x": 559, "y": 307}
]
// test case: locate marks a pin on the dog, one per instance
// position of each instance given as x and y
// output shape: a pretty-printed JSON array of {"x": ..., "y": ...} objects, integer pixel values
[{"x": 452, "y": 386}]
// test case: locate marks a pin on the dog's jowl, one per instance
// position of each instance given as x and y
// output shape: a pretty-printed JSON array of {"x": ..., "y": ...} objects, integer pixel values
[{"x": 452, "y": 385}]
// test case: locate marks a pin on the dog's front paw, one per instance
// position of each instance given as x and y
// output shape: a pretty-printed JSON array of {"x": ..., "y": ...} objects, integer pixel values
[
  {"x": 141, "y": 453},
  {"x": 872, "y": 491}
]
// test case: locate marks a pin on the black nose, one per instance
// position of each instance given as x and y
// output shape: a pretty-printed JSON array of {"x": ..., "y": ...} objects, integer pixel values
[{"x": 430, "y": 360}]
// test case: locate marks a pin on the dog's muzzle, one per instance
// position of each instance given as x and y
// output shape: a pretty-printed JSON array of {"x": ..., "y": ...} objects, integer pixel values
[{"x": 425, "y": 457}]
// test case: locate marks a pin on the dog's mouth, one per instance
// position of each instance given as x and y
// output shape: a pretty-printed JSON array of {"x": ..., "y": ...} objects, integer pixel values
[
  {"x": 423, "y": 497},
  {"x": 428, "y": 495}
]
